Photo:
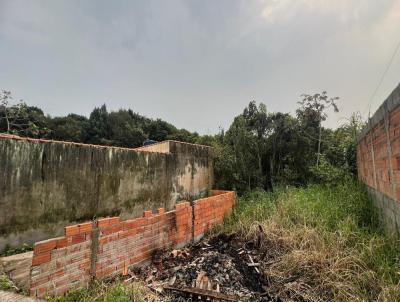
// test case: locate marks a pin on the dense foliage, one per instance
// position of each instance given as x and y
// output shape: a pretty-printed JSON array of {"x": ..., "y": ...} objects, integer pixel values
[
  {"x": 262, "y": 149},
  {"x": 259, "y": 150},
  {"x": 123, "y": 128}
]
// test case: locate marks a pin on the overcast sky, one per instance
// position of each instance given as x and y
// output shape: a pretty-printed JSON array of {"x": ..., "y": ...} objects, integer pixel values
[{"x": 197, "y": 63}]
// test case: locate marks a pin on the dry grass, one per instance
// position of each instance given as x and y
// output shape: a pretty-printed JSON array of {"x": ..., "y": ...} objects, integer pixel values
[
  {"x": 116, "y": 291},
  {"x": 321, "y": 244}
]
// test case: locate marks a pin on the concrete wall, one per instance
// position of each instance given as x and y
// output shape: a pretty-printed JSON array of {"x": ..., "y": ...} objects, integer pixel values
[
  {"x": 378, "y": 159},
  {"x": 109, "y": 246},
  {"x": 46, "y": 184}
]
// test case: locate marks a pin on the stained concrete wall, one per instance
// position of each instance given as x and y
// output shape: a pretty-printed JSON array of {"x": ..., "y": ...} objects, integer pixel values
[
  {"x": 378, "y": 160},
  {"x": 46, "y": 184}
]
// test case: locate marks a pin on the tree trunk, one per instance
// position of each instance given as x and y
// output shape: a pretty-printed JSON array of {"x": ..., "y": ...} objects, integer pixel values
[
  {"x": 7, "y": 121},
  {"x": 319, "y": 142}
]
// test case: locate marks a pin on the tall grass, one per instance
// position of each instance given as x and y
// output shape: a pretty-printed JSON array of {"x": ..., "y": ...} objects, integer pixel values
[{"x": 327, "y": 239}]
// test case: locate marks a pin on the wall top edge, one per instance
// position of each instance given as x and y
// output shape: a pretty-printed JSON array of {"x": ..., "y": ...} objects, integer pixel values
[
  {"x": 4, "y": 136},
  {"x": 172, "y": 141},
  {"x": 391, "y": 103}
]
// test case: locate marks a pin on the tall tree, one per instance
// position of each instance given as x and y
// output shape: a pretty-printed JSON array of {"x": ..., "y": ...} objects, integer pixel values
[
  {"x": 69, "y": 128},
  {"x": 98, "y": 128},
  {"x": 318, "y": 103},
  {"x": 16, "y": 118}
]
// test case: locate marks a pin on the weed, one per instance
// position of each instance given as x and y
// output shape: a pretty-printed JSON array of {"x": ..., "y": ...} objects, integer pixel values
[
  {"x": 324, "y": 243},
  {"x": 5, "y": 283},
  {"x": 116, "y": 291}
]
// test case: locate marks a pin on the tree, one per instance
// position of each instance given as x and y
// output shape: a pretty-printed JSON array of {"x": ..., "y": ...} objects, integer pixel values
[
  {"x": 15, "y": 118},
  {"x": 318, "y": 103},
  {"x": 159, "y": 130},
  {"x": 98, "y": 129},
  {"x": 123, "y": 130},
  {"x": 69, "y": 128}
]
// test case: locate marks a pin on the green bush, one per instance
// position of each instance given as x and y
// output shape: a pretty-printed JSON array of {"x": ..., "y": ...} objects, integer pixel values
[
  {"x": 5, "y": 283},
  {"x": 328, "y": 174}
]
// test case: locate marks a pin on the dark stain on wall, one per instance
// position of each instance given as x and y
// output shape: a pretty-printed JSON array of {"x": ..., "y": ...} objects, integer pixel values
[{"x": 45, "y": 183}]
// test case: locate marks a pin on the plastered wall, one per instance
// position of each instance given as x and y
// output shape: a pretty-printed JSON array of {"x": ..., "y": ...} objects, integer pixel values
[{"x": 46, "y": 184}]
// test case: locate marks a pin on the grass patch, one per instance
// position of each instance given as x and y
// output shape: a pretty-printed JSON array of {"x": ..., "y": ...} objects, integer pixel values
[
  {"x": 323, "y": 243},
  {"x": 117, "y": 291},
  {"x": 5, "y": 283}
]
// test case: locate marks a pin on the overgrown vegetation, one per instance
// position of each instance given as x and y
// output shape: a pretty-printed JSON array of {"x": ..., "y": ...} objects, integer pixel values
[
  {"x": 323, "y": 243},
  {"x": 263, "y": 149}
]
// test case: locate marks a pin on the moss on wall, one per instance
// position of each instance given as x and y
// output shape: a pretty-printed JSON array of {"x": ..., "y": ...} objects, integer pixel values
[{"x": 42, "y": 183}]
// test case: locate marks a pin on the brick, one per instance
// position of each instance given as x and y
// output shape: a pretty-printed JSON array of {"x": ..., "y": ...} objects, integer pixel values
[
  {"x": 57, "y": 274},
  {"x": 112, "y": 229},
  {"x": 396, "y": 162},
  {"x": 85, "y": 227},
  {"x": 129, "y": 224},
  {"x": 71, "y": 230},
  {"x": 147, "y": 214},
  {"x": 141, "y": 222},
  {"x": 180, "y": 206},
  {"x": 41, "y": 258},
  {"x": 38, "y": 281},
  {"x": 44, "y": 246},
  {"x": 78, "y": 238},
  {"x": 103, "y": 222},
  {"x": 62, "y": 242},
  {"x": 161, "y": 211},
  {"x": 114, "y": 220}
]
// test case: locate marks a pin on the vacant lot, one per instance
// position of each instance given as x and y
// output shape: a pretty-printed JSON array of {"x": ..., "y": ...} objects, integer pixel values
[{"x": 318, "y": 243}]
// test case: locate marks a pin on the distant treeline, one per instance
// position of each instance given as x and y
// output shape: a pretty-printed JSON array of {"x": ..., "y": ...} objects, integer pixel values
[{"x": 260, "y": 149}]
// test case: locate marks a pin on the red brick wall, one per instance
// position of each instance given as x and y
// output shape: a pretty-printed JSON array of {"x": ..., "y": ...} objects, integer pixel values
[
  {"x": 378, "y": 156},
  {"x": 130, "y": 242},
  {"x": 63, "y": 263},
  {"x": 211, "y": 211}
]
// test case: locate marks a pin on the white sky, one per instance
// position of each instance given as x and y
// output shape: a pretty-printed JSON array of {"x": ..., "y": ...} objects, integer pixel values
[{"x": 197, "y": 64}]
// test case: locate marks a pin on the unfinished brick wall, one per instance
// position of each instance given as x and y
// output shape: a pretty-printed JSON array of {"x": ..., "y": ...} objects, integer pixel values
[
  {"x": 61, "y": 264},
  {"x": 211, "y": 211},
  {"x": 378, "y": 159},
  {"x": 130, "y": 242}
]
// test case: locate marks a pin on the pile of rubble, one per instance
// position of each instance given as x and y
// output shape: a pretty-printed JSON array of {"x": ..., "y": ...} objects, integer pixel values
[{"x": 218, "y": 269}]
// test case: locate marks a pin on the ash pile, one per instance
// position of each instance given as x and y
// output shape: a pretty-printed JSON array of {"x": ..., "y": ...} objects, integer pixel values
[{"x": 221, "y": 268}]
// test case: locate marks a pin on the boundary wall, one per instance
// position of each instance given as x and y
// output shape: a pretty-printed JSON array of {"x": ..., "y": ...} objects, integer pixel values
[
  {"x": 45, "y": 185},
  {"x": 109, "y": 246},
  {"x": 378, "y": 160}
]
